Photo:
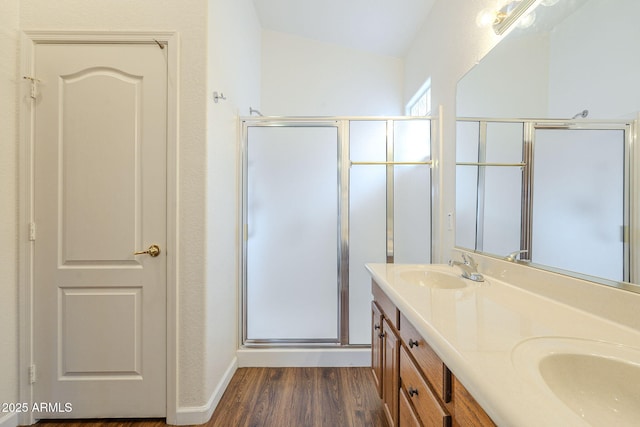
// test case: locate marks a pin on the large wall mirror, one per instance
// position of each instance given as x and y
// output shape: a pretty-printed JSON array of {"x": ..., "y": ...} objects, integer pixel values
[{"x": 545, "y": 135}]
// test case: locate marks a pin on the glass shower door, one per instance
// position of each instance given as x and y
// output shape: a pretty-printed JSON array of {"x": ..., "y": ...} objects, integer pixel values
[
  {"x": 587, "y": 204},
  {"x": 322, "y": 197},
  {"x": 292, "y": 217}
]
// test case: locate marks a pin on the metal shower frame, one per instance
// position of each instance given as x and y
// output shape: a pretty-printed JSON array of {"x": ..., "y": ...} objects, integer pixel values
[{"x": 341, "y": 123}]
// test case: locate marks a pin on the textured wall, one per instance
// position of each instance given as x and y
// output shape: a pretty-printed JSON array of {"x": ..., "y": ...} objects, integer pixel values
[
  {"x": 8, "y": 202},
  {"x": 234, "y": 69}
]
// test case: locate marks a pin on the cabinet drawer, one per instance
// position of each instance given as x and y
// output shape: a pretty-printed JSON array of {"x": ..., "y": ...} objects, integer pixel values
[
  {"x": 407, "y": 416},
  {"x": 389, "y": 309},
  {"x": 428, "y": 361},
  {"x": 426, "y": 405}
]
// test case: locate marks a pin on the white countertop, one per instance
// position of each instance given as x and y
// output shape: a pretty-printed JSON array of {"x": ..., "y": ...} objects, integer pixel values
[{"x": 475, "y": 329}]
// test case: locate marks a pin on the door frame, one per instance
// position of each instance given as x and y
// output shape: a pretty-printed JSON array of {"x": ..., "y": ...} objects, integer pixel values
[{"x": 29, "y": 40}]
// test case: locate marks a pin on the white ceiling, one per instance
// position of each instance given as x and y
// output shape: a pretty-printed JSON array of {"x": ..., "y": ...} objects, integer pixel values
[{"x": 386, "y": 27}]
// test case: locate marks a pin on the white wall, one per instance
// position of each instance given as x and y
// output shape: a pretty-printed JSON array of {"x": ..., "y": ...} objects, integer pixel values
[
  {"x": 448, "y": 45},
  {"x": 511, "y": 81},
  {"x": 596, "y": 71},
  {"x": 8, "y": 203},
  {"x": 234, "y": 69},
  {"x": 302, "y": 77}
]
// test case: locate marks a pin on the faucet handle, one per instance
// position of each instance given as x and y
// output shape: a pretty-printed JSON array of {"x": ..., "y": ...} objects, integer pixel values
[{"x": 468, "y": 259}]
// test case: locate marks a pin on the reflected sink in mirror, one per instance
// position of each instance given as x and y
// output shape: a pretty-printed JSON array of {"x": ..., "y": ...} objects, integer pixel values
[
  {"x": 433, "y": 278},
  {"x": 598, "y": 381}
]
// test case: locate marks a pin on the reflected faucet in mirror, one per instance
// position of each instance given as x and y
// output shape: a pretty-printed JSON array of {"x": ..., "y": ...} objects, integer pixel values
[{"x": 513, "y": 256}]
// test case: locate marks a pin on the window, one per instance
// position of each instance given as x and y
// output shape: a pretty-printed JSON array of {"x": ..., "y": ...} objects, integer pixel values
[{"x": 420, "y": 104}]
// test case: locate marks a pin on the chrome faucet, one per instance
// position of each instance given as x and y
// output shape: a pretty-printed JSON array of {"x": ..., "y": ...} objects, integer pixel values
[
  {"x": 513, "y": 256},
  {"x": 469, "y": 268}
]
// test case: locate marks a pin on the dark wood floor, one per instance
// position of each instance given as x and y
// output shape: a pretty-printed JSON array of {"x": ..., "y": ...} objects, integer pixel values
[{"x": 282, "y": 397}]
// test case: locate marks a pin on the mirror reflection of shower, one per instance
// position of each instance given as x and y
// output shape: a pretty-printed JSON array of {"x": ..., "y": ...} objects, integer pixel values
[{"x": 582, "y": 114}]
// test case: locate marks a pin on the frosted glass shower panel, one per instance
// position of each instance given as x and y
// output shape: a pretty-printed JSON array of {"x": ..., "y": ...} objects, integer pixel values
[
  {"x": 587, "y": 204},
  {"x": 466, "y": 202},
  {"x": 292, "y": 234},
  {"x": 467, "y": 140},
  {"x": 367, "y": 242},
  {"x": 412, "y": 140},
  {"x": 502, "y": 209},
  {"x": 504, "y": 142},
  {"x": 412, "y": 192},
  {"x": 367, "y": 220},
  {"x": 503, "y": 188},
  {"x": 368, "y": 141}
]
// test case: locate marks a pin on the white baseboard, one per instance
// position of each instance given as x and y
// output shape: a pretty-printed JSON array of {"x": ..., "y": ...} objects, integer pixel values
[
  {"x": 194, "y": 415},
  {"x": 9, "y": 420},
  {"x": 296, "y": 357}
]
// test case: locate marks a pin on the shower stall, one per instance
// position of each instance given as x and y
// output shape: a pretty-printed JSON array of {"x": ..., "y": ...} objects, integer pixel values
[{"x": 320, "y": 198}]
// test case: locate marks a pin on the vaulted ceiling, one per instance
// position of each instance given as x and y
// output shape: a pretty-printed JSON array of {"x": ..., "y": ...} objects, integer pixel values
[{"x": 385, "y": 27}]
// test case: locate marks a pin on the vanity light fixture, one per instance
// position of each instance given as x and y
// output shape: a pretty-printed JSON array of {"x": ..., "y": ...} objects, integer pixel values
[{"x": 510, "y": 13}]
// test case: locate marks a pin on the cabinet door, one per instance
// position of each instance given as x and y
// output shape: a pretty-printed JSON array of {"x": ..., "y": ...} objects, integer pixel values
[
  {"x": 376, "y": 346},
  {"x": 390, "y": 372}
]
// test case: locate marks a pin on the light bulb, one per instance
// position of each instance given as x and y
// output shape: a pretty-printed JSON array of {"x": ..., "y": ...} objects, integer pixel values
[
  {"x": 486, "y": 18},
  {"x": 527, "y": 20}
]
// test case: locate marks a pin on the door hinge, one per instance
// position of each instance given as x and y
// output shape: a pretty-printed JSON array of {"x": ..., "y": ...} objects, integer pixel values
[
  {"x": 34, "y": 86},
  {"x": 32, "y": 231},
  {"x": 32, "y": 374}
]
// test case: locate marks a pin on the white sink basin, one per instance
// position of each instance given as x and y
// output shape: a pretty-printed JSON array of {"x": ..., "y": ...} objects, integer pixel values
[
  {"x": 598, "y": 381},
  {"x": 431, "y": 278}
]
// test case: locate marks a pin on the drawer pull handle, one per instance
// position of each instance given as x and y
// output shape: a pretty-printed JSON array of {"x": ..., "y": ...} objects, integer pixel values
[
  {"x": 413, "y": 392},
  {"x": 413, "y": 343},
  {"x": 376, "y": 327}
]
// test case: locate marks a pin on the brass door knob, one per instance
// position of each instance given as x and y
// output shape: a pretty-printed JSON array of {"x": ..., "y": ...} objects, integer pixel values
[{"x": 154, "y": 251}]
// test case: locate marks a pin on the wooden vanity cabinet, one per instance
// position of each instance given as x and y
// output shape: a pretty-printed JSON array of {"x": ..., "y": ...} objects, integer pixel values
[
  {"x": 468, "y": 411},
  {"x": 416, "y": 387}
]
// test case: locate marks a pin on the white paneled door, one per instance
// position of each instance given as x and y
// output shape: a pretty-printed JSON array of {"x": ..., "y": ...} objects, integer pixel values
[{"x": 99, "y": 196}]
